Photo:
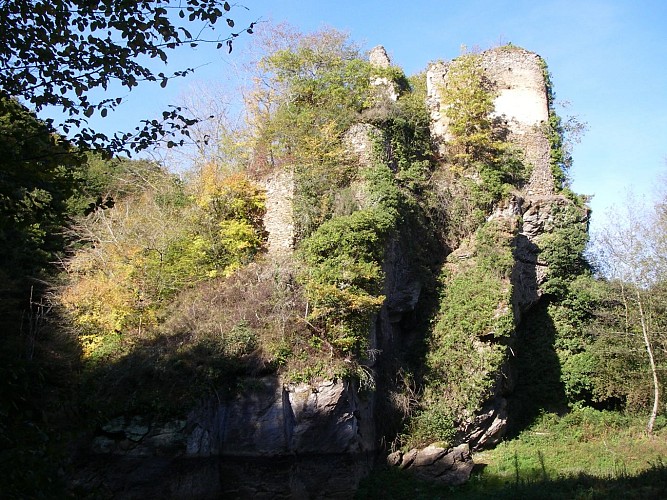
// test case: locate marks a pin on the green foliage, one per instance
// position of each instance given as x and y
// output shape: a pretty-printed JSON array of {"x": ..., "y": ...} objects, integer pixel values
[
  {"x": 326, "y": 72},
  {"x": 464, "y": 353},
  {"x": 101, "y": 180},
  {"x": 343, "y": 280},
  {"x": 580, "y": 349},
  {"x": 621, "y": 373},
  {"x": 344, "y": 256},
  {"x": 151, "y": 245},
  {"x": 38, "y": 177},
  {"x": 213, "y": 337},
  {"x": 476, "y": 147},
  {"x": 554, "y": 364},
  {"x": 481, "y": 166},
  {"x": 583, "y": 454},
  {"x": 344, "y": 275},
  {"x": 406, "y": 132},
  {"x": 57, "y": 53},
  {"x": 160, "y": 292},
  {"x": 468, "y": 106},
  {"x": 562, "y": 248},
  {"x": 555, "y": 131},
  {"x": 569, "y": 312},
  {"x": 323, "y": 85}
]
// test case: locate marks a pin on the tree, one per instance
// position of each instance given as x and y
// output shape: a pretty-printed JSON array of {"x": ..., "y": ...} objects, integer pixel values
[
  {"x": 162, "y": 238},
  {"x": 468, "y": 104},
  {"x": 56, "y": 53},
  {"x": 631, "y": 251},
  {"x": 307, "y": 96},
  {"x": 38, "y": 174}
]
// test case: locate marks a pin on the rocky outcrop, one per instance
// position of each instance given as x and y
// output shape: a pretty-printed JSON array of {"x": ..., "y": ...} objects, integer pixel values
[
  {"x": 540, "y": 216},
  {"x": 268, "y": 419},
  {"x": 325, "y": 430},
  {"x": 329, "y": 417},
  {"x": 517, "y": 80},
  {"x": 451, "y": 466},
  {"x": 284, "y": 477},
  {"x": 489, "y": 424},
  {"x": 301, "y": 440}
]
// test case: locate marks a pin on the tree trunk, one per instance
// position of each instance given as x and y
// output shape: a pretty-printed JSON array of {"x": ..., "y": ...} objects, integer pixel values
[{"x": 654, "y": 373}]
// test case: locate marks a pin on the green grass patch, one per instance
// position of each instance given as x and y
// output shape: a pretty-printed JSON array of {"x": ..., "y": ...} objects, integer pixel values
[{"x": 584, "y": 454}]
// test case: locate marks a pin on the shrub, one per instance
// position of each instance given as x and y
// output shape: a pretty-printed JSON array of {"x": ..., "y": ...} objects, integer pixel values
[{"x": 151, "y": 245}]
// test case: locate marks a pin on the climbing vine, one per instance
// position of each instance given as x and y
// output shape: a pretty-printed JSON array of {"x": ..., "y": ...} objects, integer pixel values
[{"x": 466, "y": 347}]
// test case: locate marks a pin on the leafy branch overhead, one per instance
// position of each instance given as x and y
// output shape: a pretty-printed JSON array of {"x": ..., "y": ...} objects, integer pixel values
[{"x": 55, "y": 53}]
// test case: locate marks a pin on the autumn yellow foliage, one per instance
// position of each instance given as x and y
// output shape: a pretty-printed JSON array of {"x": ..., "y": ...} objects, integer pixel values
[{"x": 151, "y": 245}]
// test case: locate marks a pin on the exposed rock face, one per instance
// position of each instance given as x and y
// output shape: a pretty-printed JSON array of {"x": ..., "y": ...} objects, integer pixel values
[
  {"x": 284, "y": 477},
  {"x": 490, "y": 423},
  {"x": 539, "y": 216},
  {"x": 268, "y": 420},
  {"x": 533, "y": 218},
  {"x": 326, "y": 418},
  {"x": 450, "y": 466},
  {"x": 328, "y": 422}
]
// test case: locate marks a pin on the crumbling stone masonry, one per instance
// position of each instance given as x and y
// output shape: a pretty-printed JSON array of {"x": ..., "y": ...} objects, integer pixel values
[{"x": 517, "y": 77}]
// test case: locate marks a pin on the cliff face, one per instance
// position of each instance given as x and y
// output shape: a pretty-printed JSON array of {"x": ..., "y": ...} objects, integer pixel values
[
  {"x": 272, "y": 440},
  {"x": 331, "y": 417},
  {"x": 517, "y": 79}
]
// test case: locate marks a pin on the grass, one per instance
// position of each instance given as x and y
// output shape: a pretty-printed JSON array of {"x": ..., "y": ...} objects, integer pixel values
[{"x": 585, "y": 454}]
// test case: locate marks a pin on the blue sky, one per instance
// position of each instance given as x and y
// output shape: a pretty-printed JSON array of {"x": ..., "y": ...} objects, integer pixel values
[{"x": 608, "y": 59}]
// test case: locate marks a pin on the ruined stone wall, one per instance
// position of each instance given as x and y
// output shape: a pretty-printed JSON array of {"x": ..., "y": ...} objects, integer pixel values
[
  {"x": 359, "y": 142},
  {"x": 516, "y": 76},
  {"x": 436, "y": 75},
  {"x": 280, "y": 185},
  {"x": 385, "y": 89},
  {"x": 279, "y": 217}
]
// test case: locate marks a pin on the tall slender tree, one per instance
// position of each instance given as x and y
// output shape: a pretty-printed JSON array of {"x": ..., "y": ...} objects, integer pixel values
[{"x": 631, "y": 250}]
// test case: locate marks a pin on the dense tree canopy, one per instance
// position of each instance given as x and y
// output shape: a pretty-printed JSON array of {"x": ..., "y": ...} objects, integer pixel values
[{"x": 37, "y": 180}]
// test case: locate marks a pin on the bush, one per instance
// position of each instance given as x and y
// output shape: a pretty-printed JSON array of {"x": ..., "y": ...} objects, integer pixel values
[
  {"x": 343, "y": 279},
  {"x": 151, "y": 245}
]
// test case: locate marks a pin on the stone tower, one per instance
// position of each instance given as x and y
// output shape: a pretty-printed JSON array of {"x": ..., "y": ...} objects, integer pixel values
[{"x": 517, "y": 78}]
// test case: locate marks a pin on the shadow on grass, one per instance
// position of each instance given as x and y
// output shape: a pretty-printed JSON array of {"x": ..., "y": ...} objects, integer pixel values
[
  {"x": 536, "y": 369},
  {"x": 397, "y": 484}
]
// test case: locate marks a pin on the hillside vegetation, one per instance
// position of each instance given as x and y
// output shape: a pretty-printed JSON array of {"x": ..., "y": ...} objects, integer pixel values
[{"x": 129, "y": 290}]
